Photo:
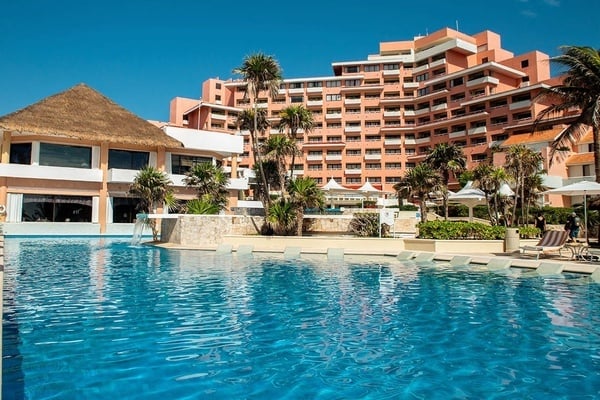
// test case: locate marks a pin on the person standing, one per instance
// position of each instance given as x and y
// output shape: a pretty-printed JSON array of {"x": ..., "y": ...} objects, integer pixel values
[
  {"x": 573, "y": 225},
  {"x": 540, "y": 223}
]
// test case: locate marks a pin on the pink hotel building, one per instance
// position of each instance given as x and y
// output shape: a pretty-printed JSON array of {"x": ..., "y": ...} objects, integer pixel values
[{"x": 378, "y": 117}]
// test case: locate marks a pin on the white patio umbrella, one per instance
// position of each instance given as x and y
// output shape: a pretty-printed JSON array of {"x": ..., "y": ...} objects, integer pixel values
[
  {"x": 468, "y": 196},
  {"x": 332, "y": 187},
  {"x": 368, "y": 189},
  {"x": 582, "y": 188}
]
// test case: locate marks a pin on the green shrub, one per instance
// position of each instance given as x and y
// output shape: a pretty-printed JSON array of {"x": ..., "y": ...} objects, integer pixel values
[
  {"x": 528, "y": 232},
  {"x": 449, "y": 230}
]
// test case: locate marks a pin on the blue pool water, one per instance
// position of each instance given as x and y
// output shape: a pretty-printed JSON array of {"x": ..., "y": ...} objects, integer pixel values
[{"x": 99, "y": 319}]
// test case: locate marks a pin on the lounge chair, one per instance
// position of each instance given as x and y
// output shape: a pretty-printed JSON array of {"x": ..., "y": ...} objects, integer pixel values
[{"x": 550, "y": 242}]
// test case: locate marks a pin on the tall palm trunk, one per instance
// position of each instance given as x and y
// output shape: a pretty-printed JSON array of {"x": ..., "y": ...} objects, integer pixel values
[
  {"x": 266, "y": 198},
  {"x": 294, "y": 131},
  {"x": 596, "y": 136}
]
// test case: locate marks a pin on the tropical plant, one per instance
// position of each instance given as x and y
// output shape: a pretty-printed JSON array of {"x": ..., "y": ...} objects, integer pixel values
[
  {"x": 489, "y": 179},
  {"x": 580, "y": 88},
  {"x": 523, "y": 164},
  {"x": 152, "y": 187},
  {"x": 447, "y": 159},
  {"x": 260, "y": 73},
  {"x": 295, "y": 118},
  {"x": 418, "y": 182},
  {"x": 282, "y": 216},
  {"x": 278, "y": 148},
  {"x": 202, "y": 205},
  {"x": 256, "y": 122},
  {"x": 210, "y": 182},
  {"x": 305, "y": 193}
]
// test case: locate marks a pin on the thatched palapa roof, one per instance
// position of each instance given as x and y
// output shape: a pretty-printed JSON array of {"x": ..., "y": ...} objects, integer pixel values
[{"x": 83, "y": 113}]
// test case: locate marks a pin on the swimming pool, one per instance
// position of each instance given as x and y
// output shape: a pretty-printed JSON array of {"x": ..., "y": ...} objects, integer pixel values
[{"x": 98, "y": 319}]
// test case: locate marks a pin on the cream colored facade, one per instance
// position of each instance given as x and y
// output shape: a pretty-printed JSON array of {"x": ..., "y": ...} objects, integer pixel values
[
  {"x": 375, "y": 118},
  {"x": 55, "y": 184}
]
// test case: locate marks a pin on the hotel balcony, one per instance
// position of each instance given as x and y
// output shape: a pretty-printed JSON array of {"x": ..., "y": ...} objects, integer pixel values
[
  {"x": 333, "y": 157},
  {"x": 333, "y": 115},
  {"x": 388, "y": 72},
  {"x": 370, "y": 157},
  {"x": 457, "y": 134},
  {"x": 314, "y": 157},
  {"x": 281, "y": 91},
  {"x": 482, "y": 80},
  {"x": 116, "y": 175},
  {"x": 298, "y": 172},
  {"x": 356, "y": 171},
  {"x": 296, "y": 91},
  {"x": 409, "y": 113},
  {"x": 477, "y": 130},
  {"x": 422, "y": 111},
  {"x": 439, "y": 107},
  {"x": 392, "y": 113},
  {"x": 314, "y": 103},
  {"x": 409, "y": 141},
  {"x": 437, "y": 63},
  {"x": 392, "y": 142},
  {"x": 352, "y": 101},
  {"x": 410, "y": 85},
  {"x": 51, "y": 173},
  {"x": 352, "y": 129},
  {"x": 519, "y": 104},
  {"x": 423, "y": 140},
  {"x": 221, "y": 117},
  {"x": 314, "y": 90},
  {"x": 420, "y": 69}
]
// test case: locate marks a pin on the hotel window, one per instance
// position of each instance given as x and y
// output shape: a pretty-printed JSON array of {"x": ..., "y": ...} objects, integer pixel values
[
  {"x": 371, "y": 68},
  {"x": 410, "y": 151},
  {"x": 422, "y": 77},
  {"x": 391, "y": 67},
  {"x": 124, "y": 210},
  {"x": 333, "y": 83},
  {"x": 353, "y": 69},
  {"x": 124, "y": 159},
  {"x": 457, "y": 81},
  {"x": 353, "y": 152},
  {"x": 316, "y": 84},
  {"x": 20, "y": 153},
  {"x": 524, "y": 63},
  {"x": 296, "y": 85},
  {"x": 334, "y": 167},
  {"x": 373, "y": 166},
  {"x": 353, "y": 166},
  {"x": 297, "y": 99},
  {"x": 393, "y": 165},
  {"x": 47, "y": 208},
  {"x": 498, "y": 103},
  {"x": 217, "y": 85},
  {"x": 315, "y": 167},
  {"x": 352, "y": 82},
  {"x": 410, "y": 165},
  {"x": 423, "y": 92},
  {"x": 180, "y": 164},
  {"x": 355, "y": 181},
  {"x": 371, "y": 96},
  {"x": 333, "y": 97},
  {"x": 393, "y": 151},
  {"x": 58, "y": 155},
  {"x": 392, "y": 179}
]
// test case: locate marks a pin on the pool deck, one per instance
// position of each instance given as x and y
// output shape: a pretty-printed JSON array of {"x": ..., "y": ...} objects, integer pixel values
[{"x": 330, "y": 247}]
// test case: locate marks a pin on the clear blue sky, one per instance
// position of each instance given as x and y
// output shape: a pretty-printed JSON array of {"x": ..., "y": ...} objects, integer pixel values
[{"x": 141, "y": 54}]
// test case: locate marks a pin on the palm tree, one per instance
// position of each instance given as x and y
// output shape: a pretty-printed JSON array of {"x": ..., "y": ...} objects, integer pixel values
[
  {"x": 294, "y": 118},
  {"x": 278, "y": 148},
  {"x": 260, "y": 73},
  {"x": 581, "y": 89},
  {"x": 305, "y": 193},
  {"x": 418, "y": 182},
  {"x": 282, "y": 215},
  {"x": 489, "y": 179},
  {"x": 256, "y": 122},
  {"x": 446, "y": 159},
  {"x": 522, "y": 163},
  {"x": 202, "y": 205},
  {"x": 152, "y": 187},
  {"x": 210, "y": 182}
]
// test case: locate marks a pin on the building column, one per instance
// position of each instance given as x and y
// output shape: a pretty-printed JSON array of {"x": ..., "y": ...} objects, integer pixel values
[
  {"x": 4, "y": 159},
  {"x": 103, "y": 195}
]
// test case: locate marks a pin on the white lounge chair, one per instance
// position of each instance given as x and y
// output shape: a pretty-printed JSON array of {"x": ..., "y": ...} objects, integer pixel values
[{"x": 552, "y": 241}]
